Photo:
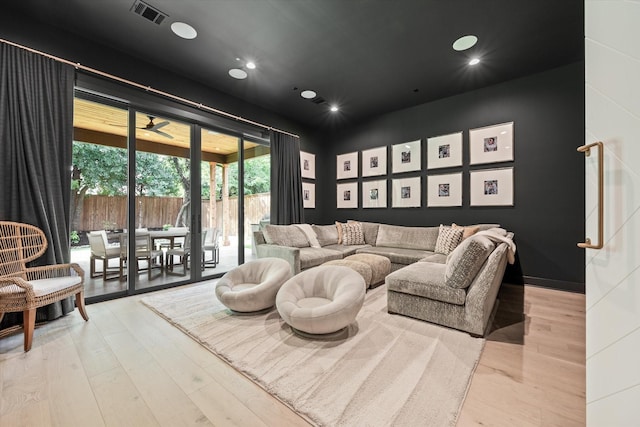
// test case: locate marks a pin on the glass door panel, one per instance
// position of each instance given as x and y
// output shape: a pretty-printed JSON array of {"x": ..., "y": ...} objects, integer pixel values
[
  {"x": 219, "y": 193},
  {"x": 257, "y": 193},
  {"x": 162, "y": 201},
  {"x": 98, "y": 193}
]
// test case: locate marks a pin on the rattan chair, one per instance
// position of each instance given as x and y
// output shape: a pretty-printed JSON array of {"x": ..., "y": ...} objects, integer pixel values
[{"x": 25, "y": 289}]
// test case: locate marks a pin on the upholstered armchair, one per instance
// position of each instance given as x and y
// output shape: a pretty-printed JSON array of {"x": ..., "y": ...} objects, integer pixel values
[{"x": 25, "y": 289}]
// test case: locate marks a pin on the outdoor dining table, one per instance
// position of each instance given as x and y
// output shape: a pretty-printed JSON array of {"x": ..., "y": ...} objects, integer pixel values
[{"x": 169, "y": 235}]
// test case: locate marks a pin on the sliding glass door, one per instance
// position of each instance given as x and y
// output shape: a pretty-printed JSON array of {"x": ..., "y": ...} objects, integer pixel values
[
  {"x": 162, "y": 205},
  {"x": 153, "y": 219},
  {"x": 219, "y": 195}
]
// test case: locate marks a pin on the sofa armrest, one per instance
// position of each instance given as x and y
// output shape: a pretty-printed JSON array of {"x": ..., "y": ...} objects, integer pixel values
[
  {"x": 483, "y": 291},
  {"x": 287, "y": 253}
]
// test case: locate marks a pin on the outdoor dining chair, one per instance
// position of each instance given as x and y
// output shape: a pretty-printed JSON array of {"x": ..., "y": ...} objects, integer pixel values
[
  {"x": 144, "y": 252},
  {"x": 24, "y": 289},
  {"x": 103, "y": 251},
  {"x": 210, "y": 237}
]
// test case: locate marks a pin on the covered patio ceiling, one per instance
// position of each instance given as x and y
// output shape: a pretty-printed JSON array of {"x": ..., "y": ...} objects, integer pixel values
[{"x": 106, "y": 125}]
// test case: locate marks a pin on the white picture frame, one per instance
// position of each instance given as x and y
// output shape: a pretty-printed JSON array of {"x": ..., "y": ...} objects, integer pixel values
[
  {"x": 444, "y": 151},
  {"x": 347, "y": 195},
  {"x": 406, "y": 157},
  {"x": 491, "y": 187},
  {"x": 374, "y": 161},
  {"x": 307, "y": 165},
  {"x": 308, "y": 195},
  {"x": 374, "y": 194},
  {"x": 444, "y": 190},
  {"x": 406, "y": 193},
  {"x": 491, "y": 144},
  {"x": 347, "y": 165}
]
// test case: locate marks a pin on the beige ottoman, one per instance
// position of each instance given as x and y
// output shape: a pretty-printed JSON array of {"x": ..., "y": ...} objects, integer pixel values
[
  {"x": 380, "y": 266},
  {"x": 321, "y": 300},
  {"x": 360, "y": 267}
]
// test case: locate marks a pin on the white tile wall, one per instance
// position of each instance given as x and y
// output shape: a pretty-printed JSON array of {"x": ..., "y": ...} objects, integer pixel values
[{"x": 612, "y": 52}]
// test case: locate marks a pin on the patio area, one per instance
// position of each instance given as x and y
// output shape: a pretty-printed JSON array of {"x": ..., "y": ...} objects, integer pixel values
[{"x": 97, "y": 286}]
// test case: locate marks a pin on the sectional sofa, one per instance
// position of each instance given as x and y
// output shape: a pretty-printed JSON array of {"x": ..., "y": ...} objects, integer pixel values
[{"x": 447, "y": 275}]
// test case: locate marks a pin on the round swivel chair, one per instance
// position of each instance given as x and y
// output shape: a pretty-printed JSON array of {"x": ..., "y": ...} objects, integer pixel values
[{"x": 252, "y": 287}]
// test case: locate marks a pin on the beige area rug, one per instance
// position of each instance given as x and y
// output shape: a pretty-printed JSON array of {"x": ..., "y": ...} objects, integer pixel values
[{"x": 389, "y": 371}]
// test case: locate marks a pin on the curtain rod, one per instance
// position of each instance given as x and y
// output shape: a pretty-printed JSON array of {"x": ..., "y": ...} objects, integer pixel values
[{"x": 198, "y": 105}]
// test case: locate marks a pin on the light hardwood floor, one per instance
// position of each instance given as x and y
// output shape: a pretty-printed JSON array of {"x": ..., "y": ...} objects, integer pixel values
[{"x": 128, "y": 367}]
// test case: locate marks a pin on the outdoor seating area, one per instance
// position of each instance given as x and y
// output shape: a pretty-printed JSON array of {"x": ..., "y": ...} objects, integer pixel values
[{"x": 162, "y": 256}]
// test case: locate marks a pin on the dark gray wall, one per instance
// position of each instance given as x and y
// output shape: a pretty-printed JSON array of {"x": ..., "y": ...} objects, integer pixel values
[{"x": 548, "y": 213}]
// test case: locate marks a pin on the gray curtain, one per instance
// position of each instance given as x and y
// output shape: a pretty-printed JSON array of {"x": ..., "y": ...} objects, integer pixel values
[
  {"x": 36, "y": 133},
  {"x": 286, "y": 180}
]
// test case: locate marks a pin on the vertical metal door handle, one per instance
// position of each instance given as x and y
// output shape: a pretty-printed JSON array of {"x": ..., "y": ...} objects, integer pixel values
[{"x": 586, "y": 149}]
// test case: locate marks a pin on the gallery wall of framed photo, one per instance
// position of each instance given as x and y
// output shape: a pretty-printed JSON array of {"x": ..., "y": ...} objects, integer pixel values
[
  {"x": 308, "y": 172},
  {"x": 440, "y": 183},
  {"x": 547, "y": 113}
]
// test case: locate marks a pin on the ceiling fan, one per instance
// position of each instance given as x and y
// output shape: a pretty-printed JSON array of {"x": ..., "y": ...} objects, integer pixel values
[{"x": 151, "y": 127}]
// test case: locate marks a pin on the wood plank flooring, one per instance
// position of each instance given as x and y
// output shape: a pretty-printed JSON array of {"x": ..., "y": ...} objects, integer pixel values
[{"x": 128, "y": 367}]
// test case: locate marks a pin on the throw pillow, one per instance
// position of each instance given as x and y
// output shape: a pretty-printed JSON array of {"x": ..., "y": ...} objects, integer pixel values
[
  {"x": 467, "y": 231},
  {"x": 448, "y": 239},
  {"x": 311, "y": 235},
  {"x": 339, "y": 227},
  {"x": 466, "y": 260},
  {"x": 370, "y": 230},
  {"x": 352, "y": 234}
]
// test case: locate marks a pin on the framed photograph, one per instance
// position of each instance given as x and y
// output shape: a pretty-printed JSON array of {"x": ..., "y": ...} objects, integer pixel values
[
  {"x": 406, "y": 157},
  {"x": 347, "y": 165},
  {"x": 308, "y": 165},
  {"x": 491, "y": 144},
  {"x": 406, "y": 193},
  {"x": 374, "y": 161},
  {"x": 308, "y": 195},
  {"x": 444, "y": 151},
  {"x": 374, "y": 194},
  {"x": 492, "y": 187},
  {"x": 347, "y": 195},
  {"x": 444, "y": 190}
]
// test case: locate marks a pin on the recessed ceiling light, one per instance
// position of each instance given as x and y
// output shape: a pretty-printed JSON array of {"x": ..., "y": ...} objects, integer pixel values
[
  {"x": 474, "y": 61},
  {"x": 334, "y": 108},
  {"x": 308, "y": 94},
  {"x": 184, "y": 30},
  {"x": 251, "y": 65},
  {"x": 237, "y": 73},
  {"x": 464, "y": 43}
]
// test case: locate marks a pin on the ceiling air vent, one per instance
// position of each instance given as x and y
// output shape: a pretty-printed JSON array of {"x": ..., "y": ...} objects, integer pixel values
[
  {"x": 151, "y": 13},
  {"x": 318, "y": 100}
]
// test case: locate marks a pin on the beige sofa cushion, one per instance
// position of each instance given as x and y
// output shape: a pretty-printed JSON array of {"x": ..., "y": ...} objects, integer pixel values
[
  {"x": 327, "y": 234},
  {"x": 426, "y": 280},
  {"x": 394, "y": 236},
  {"x": 466, "y": 260},
  {"x": 285, "y": 235},
  {"x": 310, "y": 257},
  {"x": 396, "y": 255}
]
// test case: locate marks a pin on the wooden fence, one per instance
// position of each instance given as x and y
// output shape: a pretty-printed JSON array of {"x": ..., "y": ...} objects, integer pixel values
[{"x": 110, "y": 212}]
